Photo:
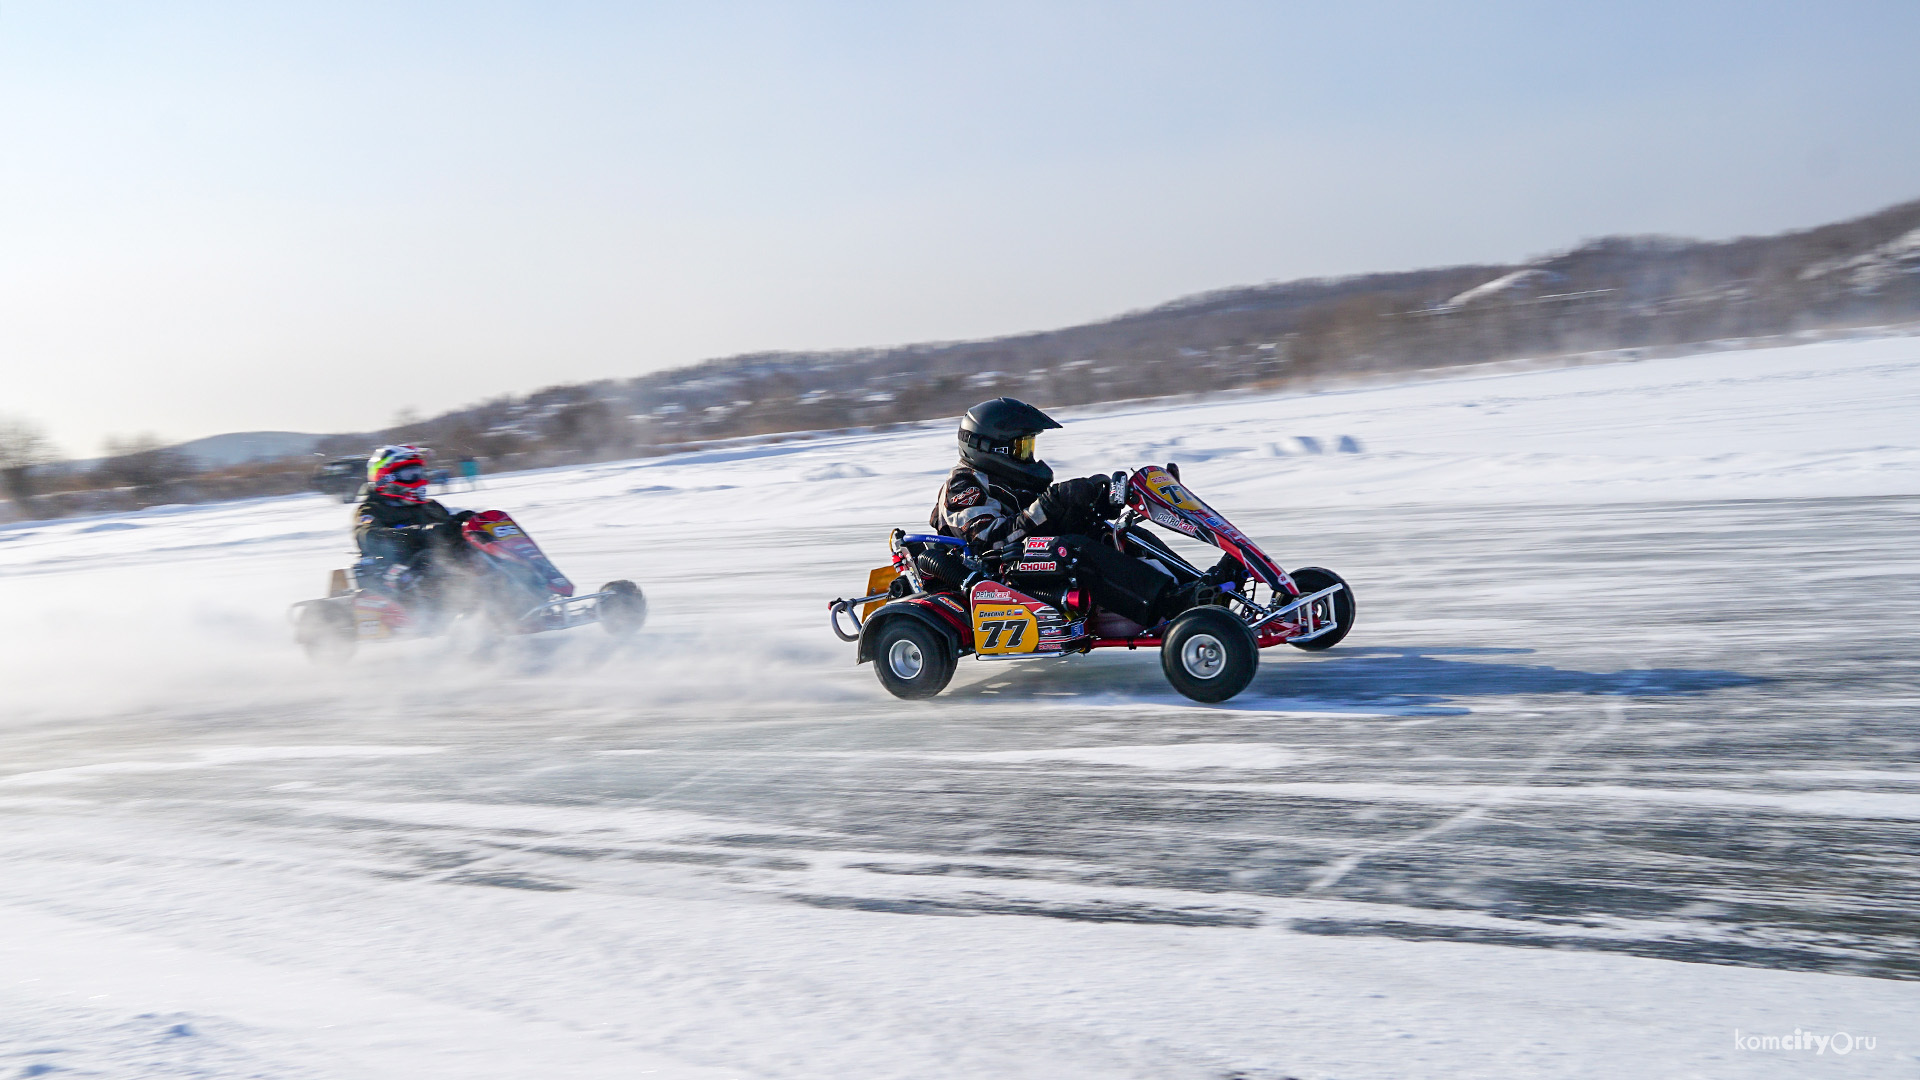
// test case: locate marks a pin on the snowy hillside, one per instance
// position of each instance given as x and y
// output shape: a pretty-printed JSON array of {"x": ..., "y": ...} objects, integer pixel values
[
  {"x": 1618, "y": 768},
  {"x": 241, "y": 447}
]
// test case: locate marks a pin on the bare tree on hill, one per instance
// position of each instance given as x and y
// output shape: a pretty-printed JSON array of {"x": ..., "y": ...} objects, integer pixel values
[
  {"x": 142, "y": 462},
  {"x": 23, "y": 448}
]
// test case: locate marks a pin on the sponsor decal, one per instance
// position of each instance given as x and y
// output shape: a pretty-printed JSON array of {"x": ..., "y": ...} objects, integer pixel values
[
  {"x": 964, "y": 498},
  {"x": 1038, "y": 543},
  {"x": 987, "y": 594},
  {"x": 949, "y": 602},
  {"x": 1163, "y": 516},
  {"x": 505, "y": 530},
  {"x": 1014, "y": 612},
  {"x": 1054, "y": 630},
  {"x": 1036, "y": 566}
]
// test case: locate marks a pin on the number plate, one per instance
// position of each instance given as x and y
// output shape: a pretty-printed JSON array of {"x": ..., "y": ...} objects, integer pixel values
[
  {"x": 1000, "y": 631},
  {"x": 1004, "y": 621},
  {"x": 1165, "y": 486}
]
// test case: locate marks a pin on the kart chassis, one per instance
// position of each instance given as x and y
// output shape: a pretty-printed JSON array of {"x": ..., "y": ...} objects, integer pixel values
[
  {"x": 1311, "y": 618},
  {"x": 1300, "y": 620},
  {"x": 558, "y": 613},
  {"x": 507, "y": 584}
]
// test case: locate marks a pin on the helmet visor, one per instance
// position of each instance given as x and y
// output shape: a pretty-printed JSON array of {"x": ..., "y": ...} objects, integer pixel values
[
  {"x": 1023, "y": 448},
  {"x": 409, "y": 474}
]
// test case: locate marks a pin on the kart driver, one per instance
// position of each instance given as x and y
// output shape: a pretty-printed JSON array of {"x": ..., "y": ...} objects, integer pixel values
[
  {"x": 1000, "y": 492},
  {"x": 398, "y": 525}
]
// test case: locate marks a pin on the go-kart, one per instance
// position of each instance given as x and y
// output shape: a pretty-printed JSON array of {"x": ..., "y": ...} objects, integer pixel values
[
  {"x": 494, "y": 579},
  {"x": 937, "y": 601}
]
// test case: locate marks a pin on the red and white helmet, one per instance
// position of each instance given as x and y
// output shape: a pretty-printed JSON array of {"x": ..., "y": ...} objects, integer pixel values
[{"x": 399, "y": 472}]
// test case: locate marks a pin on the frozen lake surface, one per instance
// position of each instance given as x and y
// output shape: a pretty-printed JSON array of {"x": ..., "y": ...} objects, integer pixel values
[{"x": 1622, "y": 764}]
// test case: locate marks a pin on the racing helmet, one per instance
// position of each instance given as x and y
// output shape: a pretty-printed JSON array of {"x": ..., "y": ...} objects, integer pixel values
[
  {"x": 997, "y": 437},
  {"x": 399, "y": 473}
]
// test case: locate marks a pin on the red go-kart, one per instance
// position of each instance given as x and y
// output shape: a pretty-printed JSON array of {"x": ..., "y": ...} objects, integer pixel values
[
  {"x": 1023, "y": 602},
  {"x": 495, "y": 580}
]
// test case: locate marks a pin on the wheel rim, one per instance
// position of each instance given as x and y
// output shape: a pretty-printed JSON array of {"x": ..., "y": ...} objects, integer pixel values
[
  {"x": 1203, "y": 656},
  {"x": 905, "y": 659}
]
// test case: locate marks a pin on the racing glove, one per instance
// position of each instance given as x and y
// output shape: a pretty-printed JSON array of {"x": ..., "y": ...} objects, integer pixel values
[
  {"x": 1073, "y": 506},
  {"x": 440, "y": 534}
]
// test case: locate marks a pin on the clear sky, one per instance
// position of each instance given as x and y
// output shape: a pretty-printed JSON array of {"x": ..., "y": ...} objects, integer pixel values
[{"x": 223, "y": 217}]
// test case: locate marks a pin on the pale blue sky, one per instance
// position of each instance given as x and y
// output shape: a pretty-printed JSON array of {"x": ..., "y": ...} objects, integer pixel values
[{"x": 220, "y": 217}]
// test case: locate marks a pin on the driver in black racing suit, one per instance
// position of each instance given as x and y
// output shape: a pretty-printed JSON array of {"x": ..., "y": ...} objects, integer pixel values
[
  {"x": 400, "y": 530},
  {"x": 1000, "y": 492}
]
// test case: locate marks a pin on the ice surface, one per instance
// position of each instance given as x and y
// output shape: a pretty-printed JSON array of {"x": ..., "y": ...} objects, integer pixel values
[
  {"x": 1209, "y": 755},
  {"x": 1620, "y": 761}
]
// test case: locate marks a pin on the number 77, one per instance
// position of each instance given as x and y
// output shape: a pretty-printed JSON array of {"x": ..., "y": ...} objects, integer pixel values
[{"x": 998, "y": 627}]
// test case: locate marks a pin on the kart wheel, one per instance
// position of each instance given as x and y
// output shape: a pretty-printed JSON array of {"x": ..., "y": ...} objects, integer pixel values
[
  {"x": 624, "y": 610},
  {"x": 1209, "y": 655},
  {"x": 327, "y": 633},
  {"x": 1339, "y": 607},
  {"x": 912, "y": 660}
]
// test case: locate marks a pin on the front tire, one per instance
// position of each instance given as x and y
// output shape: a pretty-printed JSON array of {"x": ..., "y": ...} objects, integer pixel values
[
  {"x": 1339, "y": 607},
  {"x": 1209, "y": 655},
  {"x": 913, "y": 660},
  {"x": 623, "y": 610}
]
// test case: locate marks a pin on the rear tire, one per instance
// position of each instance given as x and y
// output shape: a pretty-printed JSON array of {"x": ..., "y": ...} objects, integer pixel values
[
  {"x": 623, "y": 611},
  {"x": 1339, "y": 606},
  {"x": 1209, "y": 655},
  {"x": 327, "y": 633},
  {"x": 913, "y": 660}
]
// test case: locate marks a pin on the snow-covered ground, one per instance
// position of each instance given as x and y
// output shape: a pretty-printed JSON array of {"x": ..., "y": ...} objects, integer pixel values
[{"x": 1620, "y": 763}]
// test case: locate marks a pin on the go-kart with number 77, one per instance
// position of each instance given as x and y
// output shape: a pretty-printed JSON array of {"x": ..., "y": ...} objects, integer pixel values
[{"x": 936, "y": 602}]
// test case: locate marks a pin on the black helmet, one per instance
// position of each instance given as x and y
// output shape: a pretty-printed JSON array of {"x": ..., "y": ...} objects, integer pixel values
[{"x": 996, "y": 437}]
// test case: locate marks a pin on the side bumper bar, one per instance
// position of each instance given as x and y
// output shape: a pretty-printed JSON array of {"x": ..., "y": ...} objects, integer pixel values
[{"x": 837, "y": 608}]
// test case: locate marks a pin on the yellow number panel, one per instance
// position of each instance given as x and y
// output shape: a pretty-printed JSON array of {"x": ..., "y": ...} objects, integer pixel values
[{"x": 1004, "y": 630}]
